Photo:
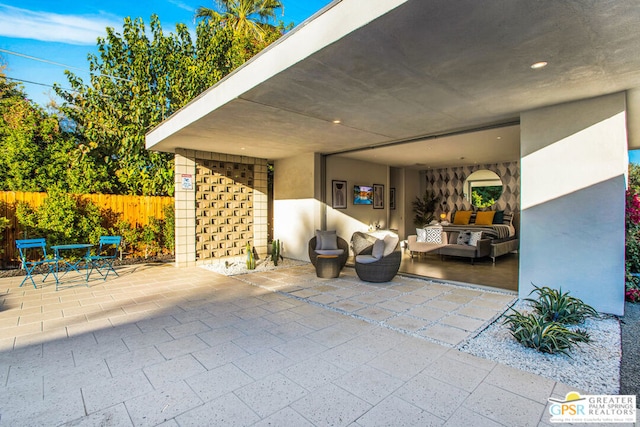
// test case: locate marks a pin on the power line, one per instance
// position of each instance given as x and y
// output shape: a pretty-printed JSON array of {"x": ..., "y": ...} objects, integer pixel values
[
  {"x": 47, "y": 85},
  {"x": 46, "y": 61},
  {"x": 36, "y": 83}
]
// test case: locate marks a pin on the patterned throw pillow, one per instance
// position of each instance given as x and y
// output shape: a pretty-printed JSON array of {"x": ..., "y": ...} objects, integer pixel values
[
  {"x": 433, "y": 234},
  {"x": 475, "y": 238},
  {"x": 507, "y": 218},
  {"x": 463, "y": 237},
  {"x": 421, "y": 234}
]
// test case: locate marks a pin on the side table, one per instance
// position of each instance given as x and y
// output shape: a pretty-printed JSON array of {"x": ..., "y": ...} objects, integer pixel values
[{"x": 327, "y": 266}]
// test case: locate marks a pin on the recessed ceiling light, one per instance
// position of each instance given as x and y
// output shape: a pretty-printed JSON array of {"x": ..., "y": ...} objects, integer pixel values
[
  {"x": 337, "y": 122},
  {"x": 499, "y": 137},
  {"x": 538, "y": 65}
]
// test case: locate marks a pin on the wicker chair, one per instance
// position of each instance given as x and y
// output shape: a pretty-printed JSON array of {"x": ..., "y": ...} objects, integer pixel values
[
  {"x": 382, "y": 270},
  {"x": 342, "y": 244}
]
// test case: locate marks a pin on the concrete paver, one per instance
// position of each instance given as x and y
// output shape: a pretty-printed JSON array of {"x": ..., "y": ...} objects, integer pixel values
[{"x": 179, "y": 347}]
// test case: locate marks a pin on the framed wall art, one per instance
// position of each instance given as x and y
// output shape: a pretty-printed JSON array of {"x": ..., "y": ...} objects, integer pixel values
[
  {"x": 378, "y": 196},
  {"x": 392, "y": 198},
  {"x": 339, "y": 194}
]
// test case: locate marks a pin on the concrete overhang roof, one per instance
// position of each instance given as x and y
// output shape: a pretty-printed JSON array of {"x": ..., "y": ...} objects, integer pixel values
[{"x": 422, "y": 72}]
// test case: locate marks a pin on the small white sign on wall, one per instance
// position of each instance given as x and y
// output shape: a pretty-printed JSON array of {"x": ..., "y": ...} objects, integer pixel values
[{"x": 187, "y": 181}]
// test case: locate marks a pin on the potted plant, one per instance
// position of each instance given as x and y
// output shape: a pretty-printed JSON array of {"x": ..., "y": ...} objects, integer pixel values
[{"x": 424, "y": 209}]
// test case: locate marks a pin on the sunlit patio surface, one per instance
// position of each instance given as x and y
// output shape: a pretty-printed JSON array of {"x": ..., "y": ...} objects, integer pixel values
[{"x": 159, "y": 344}]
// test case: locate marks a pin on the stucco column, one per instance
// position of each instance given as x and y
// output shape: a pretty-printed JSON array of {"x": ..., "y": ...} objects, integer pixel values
[
  {"x": 297, "y": 208},
  {"x": 574, "y": 161}
]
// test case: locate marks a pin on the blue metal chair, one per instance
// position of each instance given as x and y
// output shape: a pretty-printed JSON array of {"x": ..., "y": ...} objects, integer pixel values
[
  {"x": 33, "y": 253},
  {"x": 103, "y": 260}
]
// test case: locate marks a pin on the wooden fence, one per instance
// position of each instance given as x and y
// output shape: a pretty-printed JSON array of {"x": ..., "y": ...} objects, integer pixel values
[{"x": 135, "y": 209}]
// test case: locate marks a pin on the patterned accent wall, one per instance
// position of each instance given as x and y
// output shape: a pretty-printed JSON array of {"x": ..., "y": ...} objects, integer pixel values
[{"x": 448, "y": 185}]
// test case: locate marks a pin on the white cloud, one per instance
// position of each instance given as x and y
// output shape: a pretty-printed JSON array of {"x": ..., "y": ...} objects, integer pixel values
[
  {"x": 54, "y": 27},
  {"x": 182, "y": 5}
]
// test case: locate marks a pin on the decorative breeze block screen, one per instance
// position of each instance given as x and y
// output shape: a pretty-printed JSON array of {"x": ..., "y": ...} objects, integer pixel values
[{"x": 224, "y": 208}]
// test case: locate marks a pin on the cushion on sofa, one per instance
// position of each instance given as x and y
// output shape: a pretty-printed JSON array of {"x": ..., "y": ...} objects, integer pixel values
[
  {"x": 462, "y": 218},
  {"x": 475, "y": 238},
  {"x": 421, "y": 234},
  {"x": 433, "y": 234},
  {"x": 485, "y": 218},
  {"x": 498, "y": 217},
  {"x": 507, "y": 218},
  {"x": 463, "y": 237}
]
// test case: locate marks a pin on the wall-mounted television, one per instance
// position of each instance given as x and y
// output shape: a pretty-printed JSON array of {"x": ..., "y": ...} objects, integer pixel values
[{"x": 362, "y": 195}]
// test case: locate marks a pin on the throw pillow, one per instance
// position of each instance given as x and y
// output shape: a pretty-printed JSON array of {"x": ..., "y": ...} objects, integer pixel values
[
  {"x": 485, "y": 218},
  {"x": 463, "y": 237},
  {"x": 498, "y": 217},
  {"x": 474, "y": 238},
  {"x": 462, "y": 218},
  {"x": 421, "y": 234},
  {"x": 326, "y": 240},
  {"x": 507, "y": 218},
  {"x": 433, "y": 234},
  {"x": 390, "y": 243},
  {"x": 378, "y": 249}
]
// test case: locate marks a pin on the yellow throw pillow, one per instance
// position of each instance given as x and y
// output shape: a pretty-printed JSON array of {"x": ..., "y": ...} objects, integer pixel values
[
  {"x": 462, "y": 218},
  {"x": 485, "y": 218}
]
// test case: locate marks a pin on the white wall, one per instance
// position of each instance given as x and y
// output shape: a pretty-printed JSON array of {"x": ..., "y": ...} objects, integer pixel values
[
  {"x": 574, "y": 160},
  {"x": 298, "y": 211},
  {"x": 355, "y": 217}
]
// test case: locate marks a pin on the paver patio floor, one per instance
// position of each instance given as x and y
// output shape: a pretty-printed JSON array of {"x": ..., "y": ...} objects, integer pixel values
[{"x": 179, "y": 347}]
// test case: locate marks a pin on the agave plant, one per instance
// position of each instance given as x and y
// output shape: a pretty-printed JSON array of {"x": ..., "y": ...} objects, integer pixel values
[
  {"x": 557, "y": 306},
  {"x": 546, "y": 336}
]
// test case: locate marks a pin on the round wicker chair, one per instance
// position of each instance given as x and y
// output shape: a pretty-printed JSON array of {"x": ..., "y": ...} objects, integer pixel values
[
  {"x": 382, "y": 270},
  {"x": 342, "y": 244}
]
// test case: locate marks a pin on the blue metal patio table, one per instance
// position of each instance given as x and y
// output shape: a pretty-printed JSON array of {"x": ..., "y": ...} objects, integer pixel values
[{"x": 67, "y": 264}]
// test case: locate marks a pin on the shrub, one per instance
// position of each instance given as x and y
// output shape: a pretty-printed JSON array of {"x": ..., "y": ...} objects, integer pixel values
[
  {"x": 557, "y": 306},
  {"x": 169, "y": 229},
  {"x": 62, "y": 218},
  {"x": 152, "y": 237},
  {"x": 4, "y": 223},
  {"x": 546, "y": 336},
  {"x": 632, "y": 295}
]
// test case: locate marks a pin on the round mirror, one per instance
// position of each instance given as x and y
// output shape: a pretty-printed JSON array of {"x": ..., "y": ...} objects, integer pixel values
[{"x": 482, "y": 188}]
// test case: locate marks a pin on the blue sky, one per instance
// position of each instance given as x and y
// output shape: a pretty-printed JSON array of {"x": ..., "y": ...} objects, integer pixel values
[{"x": 65, "y": 31}]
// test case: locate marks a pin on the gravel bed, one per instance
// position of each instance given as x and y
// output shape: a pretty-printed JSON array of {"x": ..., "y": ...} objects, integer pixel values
[
  {"x": 592, "y": 368},
  {"x": 238, "y": 265}
]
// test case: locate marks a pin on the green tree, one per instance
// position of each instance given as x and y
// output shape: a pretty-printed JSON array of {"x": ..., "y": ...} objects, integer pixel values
[
  {"x": 37, "y": 152},
  {"x": 139, "y": 78},
  {"x": 244, "y": 17}
]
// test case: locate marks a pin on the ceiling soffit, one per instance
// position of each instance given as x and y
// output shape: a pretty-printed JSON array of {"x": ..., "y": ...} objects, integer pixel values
[{"x": 429, "y": 67}]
